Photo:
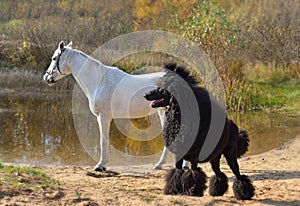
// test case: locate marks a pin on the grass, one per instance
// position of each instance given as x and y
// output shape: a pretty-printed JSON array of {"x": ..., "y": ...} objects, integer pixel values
[
  {"x": 29, "y": 79},
  {"x": 263, "y": 87},
  {"x": 178, "y": 202},
  {"x": 283, "y": 96},
  {"x": 25, "y": 178},
  {"x": 149, "y": 198},
  {"x": 280, "y": 86}
]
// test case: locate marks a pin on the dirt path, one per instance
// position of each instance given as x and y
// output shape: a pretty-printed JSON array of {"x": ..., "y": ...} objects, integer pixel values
[{"x": 275, "y": 174}]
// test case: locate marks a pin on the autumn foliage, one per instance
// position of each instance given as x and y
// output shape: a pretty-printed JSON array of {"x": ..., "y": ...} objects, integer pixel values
[{"x": 234, "y": 33}]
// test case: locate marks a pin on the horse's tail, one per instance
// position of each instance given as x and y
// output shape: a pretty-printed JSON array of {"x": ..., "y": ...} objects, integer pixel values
[{"x": 242, "y": 143}]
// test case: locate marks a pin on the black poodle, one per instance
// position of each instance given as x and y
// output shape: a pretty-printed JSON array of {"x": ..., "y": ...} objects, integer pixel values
[{"x": 232, "y": 143}]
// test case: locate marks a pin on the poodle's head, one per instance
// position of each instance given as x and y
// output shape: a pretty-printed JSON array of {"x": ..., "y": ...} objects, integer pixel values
[{"x": 159, "y": 98}]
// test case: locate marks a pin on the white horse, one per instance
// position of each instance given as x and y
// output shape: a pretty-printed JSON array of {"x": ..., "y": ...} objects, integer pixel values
[{"x": 102, "y": 84}]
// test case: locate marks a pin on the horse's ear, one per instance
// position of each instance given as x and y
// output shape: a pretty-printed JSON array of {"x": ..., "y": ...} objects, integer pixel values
[
  {"x": 61, "y": 46},
  {"x": 70, "y": 44}
]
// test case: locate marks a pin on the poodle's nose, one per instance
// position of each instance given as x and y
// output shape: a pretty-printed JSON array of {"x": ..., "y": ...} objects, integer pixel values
[{"x": 146, "y": 96}]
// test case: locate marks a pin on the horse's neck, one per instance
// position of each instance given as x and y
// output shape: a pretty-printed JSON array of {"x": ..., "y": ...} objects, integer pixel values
[{"x": 87, "y": 71}]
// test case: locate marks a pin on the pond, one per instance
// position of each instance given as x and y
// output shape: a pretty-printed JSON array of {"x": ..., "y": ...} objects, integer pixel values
[{"x": 38, "y": 128}]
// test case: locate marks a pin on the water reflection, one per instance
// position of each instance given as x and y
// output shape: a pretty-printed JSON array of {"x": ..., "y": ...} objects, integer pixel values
[
  {"x": 37, "y": 128},
  {"x": 267, "y": 130}
]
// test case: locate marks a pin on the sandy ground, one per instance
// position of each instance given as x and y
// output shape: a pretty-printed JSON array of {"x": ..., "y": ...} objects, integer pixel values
[{"x": 275, "y": 175}]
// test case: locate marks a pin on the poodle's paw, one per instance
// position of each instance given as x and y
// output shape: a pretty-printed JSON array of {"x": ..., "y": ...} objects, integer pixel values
[
  {"x": 193, "y": 182},
  {"x": 218, "y": 185},
  {"x": 173, "y": 183},
  {"x": 243, "y": 188}
]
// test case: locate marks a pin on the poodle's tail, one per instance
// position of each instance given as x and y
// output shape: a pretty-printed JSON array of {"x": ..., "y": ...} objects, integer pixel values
[
  {"x": 242, "y": 139},
  {"x": 242, "y": 143}
]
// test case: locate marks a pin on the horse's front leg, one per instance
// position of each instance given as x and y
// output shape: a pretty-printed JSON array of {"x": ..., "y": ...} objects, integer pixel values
[
  {"x": 163, "y": 158},
  {"x": 104, "y": 125}
]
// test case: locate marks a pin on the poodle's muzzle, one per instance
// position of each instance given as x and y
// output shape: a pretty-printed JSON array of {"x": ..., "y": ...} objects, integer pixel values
[{"x": 158, "y": 97}]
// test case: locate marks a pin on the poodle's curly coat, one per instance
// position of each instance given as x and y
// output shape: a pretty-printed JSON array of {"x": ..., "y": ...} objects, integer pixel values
[{"x": 232, "y": 144}]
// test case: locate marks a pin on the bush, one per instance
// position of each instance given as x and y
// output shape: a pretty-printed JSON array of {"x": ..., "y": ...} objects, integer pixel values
[
  {"x": 271, "y": 31},
  {"x": 36, "y": 34},
  {"x": 212, "y": 30}
]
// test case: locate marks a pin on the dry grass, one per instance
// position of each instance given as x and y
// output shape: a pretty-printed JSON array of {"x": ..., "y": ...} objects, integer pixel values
[{"x": 28, "y": 79}]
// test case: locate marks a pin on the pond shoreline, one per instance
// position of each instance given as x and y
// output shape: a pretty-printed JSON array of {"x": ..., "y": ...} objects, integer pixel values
[
  {"x": 275, "y": 175},
  {"x": 39, "y": 128}
]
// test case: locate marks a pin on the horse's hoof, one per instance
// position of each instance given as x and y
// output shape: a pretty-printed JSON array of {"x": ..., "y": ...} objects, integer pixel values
[
  {"x": 186, "y": 167},
  {"x": 99, "y": 169},
  {"x": 157, "y": 167}
]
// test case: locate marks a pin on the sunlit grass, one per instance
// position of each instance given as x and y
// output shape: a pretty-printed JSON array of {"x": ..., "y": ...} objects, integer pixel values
[
  {"x": 272, "y": 73},
  {"x": 281, "y": 86},
  {"x": 25, "y": 177}
]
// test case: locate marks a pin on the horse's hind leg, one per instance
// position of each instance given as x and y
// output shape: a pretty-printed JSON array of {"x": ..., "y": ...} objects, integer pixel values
[
  {"x": 242, "y": 186},
  {"x": 193, "y": 180},
  {"x": 218, "y": 183}
]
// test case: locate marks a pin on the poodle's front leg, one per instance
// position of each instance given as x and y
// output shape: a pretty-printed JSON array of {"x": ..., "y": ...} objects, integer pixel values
[{"x": 104, "y": 124}]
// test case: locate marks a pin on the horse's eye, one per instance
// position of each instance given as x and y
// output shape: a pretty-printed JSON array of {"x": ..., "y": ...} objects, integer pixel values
[{"x": 54, "y": 58}]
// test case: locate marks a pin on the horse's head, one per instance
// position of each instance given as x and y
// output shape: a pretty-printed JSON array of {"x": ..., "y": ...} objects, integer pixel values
[
  {"x": 159, "y": 98},
  {"x": 58, "y": 68}
]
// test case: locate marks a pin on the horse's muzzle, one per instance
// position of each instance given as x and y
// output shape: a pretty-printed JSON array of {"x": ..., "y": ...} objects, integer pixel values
[{"x": 48, "y": 79}]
